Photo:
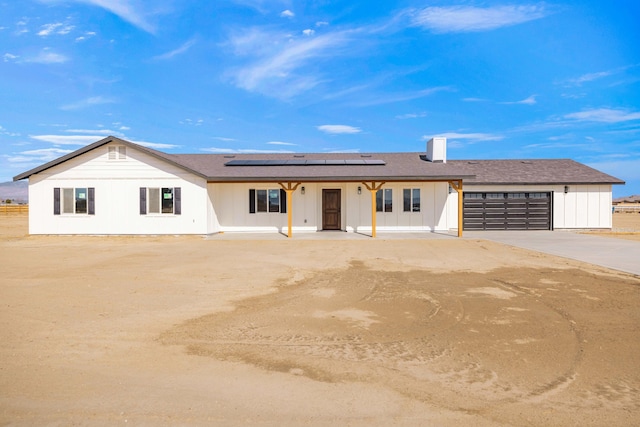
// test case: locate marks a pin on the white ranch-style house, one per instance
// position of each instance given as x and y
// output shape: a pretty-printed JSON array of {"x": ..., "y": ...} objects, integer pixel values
[{"x": 114, "y": 186}]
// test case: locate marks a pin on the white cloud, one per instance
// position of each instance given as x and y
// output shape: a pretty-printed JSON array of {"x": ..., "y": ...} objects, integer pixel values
[
  {"x": 47, "y": 29},
  {"x": 400, "y": 97},
  {"x": 7, "y": 57},
  {"x": 39, "y": 156},
  {"x": 89, "y": 102},
  {"x": 197, "y": 122},
  {"x": 411, "y": 116},
  {"x": 273, "y": 67},
  {"x": 280, "y": 143},
  {"x": 453, "y": 19},
  {"x": 474, "y": 137},
  {"x": 604, "y": 115},
  {"x": 68, "y": 139},
  {"x": 308, "y": 32},
  {"x": 528, "y": 101},
  {"x": 95, "y": 131},
  {"x": 154, "y": 145},
  {"x": 182, "y": 49},
  {"x": 221, "y": 138},
  {"x": 86, "y": 36},
  {"x": 338, "y": 129},
  {"x": 47, "y": 57},
  {"x": 321, "y": 23},
  {"x": 287, "y": 14},
  {"x": 128, "y": 10}
]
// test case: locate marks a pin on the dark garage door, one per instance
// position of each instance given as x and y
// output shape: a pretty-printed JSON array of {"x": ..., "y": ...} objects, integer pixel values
[{"x": 507, "y": 211}]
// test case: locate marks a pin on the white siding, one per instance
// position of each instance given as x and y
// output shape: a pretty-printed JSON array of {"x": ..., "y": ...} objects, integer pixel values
[
  {"x": 231, "y": 203},
  {"x": 117, "y": 207},
  {"x": 583, "y": 206}
]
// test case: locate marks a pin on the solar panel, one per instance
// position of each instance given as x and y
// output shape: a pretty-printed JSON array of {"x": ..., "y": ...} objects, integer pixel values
[{"x": 302, "y": 162}]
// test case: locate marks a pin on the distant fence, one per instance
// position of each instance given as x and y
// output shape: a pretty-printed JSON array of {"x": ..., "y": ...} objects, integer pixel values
[
  {"x": 13, "y": 209},
  {"x": 626, "y": 209}
]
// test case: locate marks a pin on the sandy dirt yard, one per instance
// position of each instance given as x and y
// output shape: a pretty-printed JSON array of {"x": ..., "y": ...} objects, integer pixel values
[{"x": 190, "y": 331}]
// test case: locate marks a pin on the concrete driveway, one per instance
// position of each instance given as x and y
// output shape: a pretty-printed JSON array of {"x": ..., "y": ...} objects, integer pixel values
[{"x": 617, "y": 254}]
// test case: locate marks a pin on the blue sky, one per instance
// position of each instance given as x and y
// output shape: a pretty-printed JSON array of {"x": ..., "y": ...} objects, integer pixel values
[{"x": 499, "y": 79}]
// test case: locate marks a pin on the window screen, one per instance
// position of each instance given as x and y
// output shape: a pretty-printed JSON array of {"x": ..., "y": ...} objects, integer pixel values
[{"x": 154, "y": 200}]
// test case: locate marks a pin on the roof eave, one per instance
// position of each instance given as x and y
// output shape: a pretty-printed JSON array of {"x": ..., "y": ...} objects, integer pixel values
[{"x": 441, "y": 178}]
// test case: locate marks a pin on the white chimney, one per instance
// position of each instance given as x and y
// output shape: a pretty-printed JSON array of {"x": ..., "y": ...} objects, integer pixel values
[{"x": 437, "y": 150}]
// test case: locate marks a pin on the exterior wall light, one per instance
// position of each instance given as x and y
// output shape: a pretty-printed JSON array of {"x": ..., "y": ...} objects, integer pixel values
[
  {"x": 302, "y": 190},
  {"x": 566, "y": 189},
  {"x": 359, "y": 190}
]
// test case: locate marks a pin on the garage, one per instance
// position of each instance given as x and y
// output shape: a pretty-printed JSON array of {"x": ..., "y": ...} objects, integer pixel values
[{"x": 507, "y": 211}]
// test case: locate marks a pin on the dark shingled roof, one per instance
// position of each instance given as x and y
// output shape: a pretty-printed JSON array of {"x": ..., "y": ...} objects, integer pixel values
[
  {"x": 542, "y": 171},
  {"x": 396, "y": 167}
]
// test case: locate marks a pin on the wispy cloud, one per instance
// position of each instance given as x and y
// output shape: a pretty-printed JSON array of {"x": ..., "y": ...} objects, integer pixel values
[
  {"x": 411, "y": 116},
  {"x": 39, "y": 156},
  {"x": 87, "y": 35},
  {"x": 472, "y": 137},
  {"x": 222, "y": 138},
  {"x": 287, "y": 14},
  {"x": 281, "y": 143},
  {"x": 55, "y": 28},
  {"x": 273, "y": 68},
  {"x": 182, "y": 49},
  {"x": 154, "y": 145},
  {"x": 528, "y": 101},
  {"x": 338, "y": 129},
  {"x": 89, "y": 102},
  {"x": 8, "y": 57},
  {"x": 459, "y": 19},
  {"x": 590, "y": 77},
  {"x": 68, "y": 139},
  {"x": 47, "y": 57},
  {"x": 96, "y": 131},
  {"x": 604, "y": 115},
  {"x": 381, "y": 99},
  {"x": 131, "y": 11}
]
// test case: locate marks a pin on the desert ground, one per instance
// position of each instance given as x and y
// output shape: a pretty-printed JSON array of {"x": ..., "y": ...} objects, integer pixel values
[{"x": 194, "y": 331}]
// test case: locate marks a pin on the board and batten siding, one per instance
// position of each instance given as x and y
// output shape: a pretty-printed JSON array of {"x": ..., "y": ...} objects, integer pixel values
[
  {"x": 582, "y": 207},
  {"x": 231, "y": 206},
  {"x": 117, "y": 185}
]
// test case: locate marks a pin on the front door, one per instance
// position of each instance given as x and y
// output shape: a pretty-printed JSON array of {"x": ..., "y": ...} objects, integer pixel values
[{"x": 331, "y": 209}]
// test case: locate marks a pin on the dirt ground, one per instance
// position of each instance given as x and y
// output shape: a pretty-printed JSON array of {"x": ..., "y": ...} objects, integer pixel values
[{"x": 189, "y": 331}]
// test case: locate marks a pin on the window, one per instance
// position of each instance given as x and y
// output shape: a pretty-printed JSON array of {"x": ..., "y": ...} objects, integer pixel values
[
  {"x": 411, "y": 199},
  {"x": 495, "y": 195},
  {"x": 516, "y": 196},
  {"x": 165, "y": 200},
  {"x": 473, "y": 195},
  {"x": 384, "y": 200},
  {"x": 538, "y": 195},
  {"x": 79, "y": 200},
  {"x": 267, "y": 200}
]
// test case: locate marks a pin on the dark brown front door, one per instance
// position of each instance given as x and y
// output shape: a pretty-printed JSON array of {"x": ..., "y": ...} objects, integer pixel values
[{"x": 331, "y": 209}]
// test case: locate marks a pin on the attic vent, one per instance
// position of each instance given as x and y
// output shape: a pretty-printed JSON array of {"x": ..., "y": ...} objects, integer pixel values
[
  {"x": 526, "y": 162},
  {"x": 229, "y": 157},
  {"x": 473, "y": 163},
  {"x": 365, "y": 155},
  {"x": 119, "y": 152},
  {"x": 298, "y": 155}
]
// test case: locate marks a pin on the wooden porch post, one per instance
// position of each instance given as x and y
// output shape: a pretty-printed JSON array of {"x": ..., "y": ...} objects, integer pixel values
[
  {"x": 373, "y": 188},
  {"x": 290, "y": 188},
  {"x": 457, "y": 185}
]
